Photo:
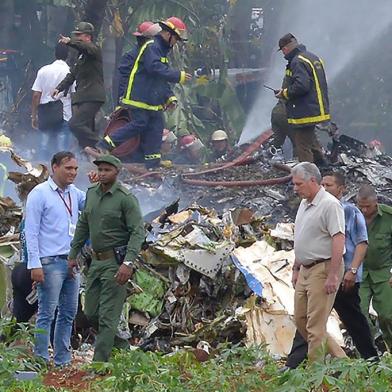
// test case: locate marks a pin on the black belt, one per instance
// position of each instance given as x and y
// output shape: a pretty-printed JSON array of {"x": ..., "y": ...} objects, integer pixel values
[{"x": 307, "y": 266}]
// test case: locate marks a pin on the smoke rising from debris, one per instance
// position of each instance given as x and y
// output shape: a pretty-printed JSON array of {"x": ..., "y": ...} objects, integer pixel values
[{"x": 336, "y": 31}]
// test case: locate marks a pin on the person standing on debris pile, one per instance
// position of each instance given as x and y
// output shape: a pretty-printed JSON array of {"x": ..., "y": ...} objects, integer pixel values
[
  {"x": 88, "y": 74},
  {"x": 50, "y": 115},
  {"x": 112, "y": 220},
  {"x": 148, "y": 93},
  {"x": 347, "y": 301},
  {"x": 52, "y": 210},
  {"x": 377, "y": 266},
  {"x": 280, "y": 126},
  {"x": 318, "y": 269},
  {"x": 145, "y": 31},
  {"x": 306, "y": 97}
]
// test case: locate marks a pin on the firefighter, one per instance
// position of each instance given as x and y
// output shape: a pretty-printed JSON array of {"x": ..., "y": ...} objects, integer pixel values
[
  {"x": 306, "y": 97},
  {"x": 148, "y": 93},
  {"x": 145, "y": 31},
  {"x": 219, "y": 144},
  {"x": 190, "y": 151}
]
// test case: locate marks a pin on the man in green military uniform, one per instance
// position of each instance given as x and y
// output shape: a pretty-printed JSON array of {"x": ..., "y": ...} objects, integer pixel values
[
  {"x": 113, "y": 222},
  {"x": 87, "y": 72},
  {"x": 378, "y": 262}
]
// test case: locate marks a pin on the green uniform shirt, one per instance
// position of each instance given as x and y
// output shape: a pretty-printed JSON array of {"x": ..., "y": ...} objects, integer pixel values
[
  {"x": 378, "y": 260},
  {"x": 109, "y": 219},
  {"x": 87, "y": 72}
]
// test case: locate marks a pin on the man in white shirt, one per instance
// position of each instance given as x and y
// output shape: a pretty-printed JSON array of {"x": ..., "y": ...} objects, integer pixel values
[{"x": 55, "y": 135}]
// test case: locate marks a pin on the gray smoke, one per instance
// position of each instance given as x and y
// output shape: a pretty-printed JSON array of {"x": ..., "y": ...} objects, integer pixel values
[{"x": 335, "y": 30}]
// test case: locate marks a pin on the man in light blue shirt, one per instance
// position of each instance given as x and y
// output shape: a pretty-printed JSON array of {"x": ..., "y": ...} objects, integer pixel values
[{"x": 52, "y": 211}]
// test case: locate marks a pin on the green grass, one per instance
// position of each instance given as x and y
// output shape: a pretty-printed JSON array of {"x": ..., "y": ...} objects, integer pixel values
[{"x": 229, "y": 369}]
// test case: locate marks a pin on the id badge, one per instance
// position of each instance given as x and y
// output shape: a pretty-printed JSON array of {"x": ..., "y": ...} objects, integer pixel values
[{"x": 71, "y": 229}]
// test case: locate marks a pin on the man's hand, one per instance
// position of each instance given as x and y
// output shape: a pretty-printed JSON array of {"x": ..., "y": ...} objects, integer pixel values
[
  {"x": 64, "y": 40},
  {"x": 55, "y": 93},
  {"x": 348, "y": 281},
  {"x": 37, "y": 275},
  {"x": 93, "y": 176},
  {"x": 123, "y": 274},
  {"x": 72, "y": 264},
  {"x": 188, "y": 77},
  {"x": 34, "y": 122},
  {"x": 294, "y": 277},
  {"x": 331, "y": 284},
  {"x": 171, "y": 106},
  {"x": 279, "y": 94}
]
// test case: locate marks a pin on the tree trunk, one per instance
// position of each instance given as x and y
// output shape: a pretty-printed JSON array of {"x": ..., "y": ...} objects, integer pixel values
[
  {"x": 6, "y": 23},
  {"x": 94, "y": 13}
]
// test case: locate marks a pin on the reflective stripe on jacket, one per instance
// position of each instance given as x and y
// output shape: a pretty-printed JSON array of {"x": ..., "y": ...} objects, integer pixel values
[
  {"x": 148, "y": 85},
  {"x": 306, "y": 91}
]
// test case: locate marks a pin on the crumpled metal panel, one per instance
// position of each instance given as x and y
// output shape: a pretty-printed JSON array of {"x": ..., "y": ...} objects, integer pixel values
[{"x": 207, "y": 262}]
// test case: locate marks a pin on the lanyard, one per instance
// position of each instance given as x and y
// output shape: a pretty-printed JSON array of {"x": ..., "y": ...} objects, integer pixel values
[{"x": 68, "y": 207}]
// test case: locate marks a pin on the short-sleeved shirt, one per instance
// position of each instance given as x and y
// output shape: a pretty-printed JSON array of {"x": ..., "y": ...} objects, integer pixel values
[
  {"x": 48, "y": 77},
  {"x": 315, "y": 225},
  {"x": 378, "y": 260},
  {"x": 356, "y": 232}
]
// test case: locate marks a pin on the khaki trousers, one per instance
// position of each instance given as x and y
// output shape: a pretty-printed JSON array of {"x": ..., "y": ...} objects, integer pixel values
[{"x": 312, "y": 307}]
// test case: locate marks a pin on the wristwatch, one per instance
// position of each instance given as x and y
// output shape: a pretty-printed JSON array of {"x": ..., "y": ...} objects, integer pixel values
[{"x": 354, "y": 270}]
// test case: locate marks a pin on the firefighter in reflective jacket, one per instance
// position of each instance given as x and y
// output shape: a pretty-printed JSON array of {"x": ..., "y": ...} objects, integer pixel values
[
  {"x": 306, "y": 97},
  {"x": 148, "y": 93}
]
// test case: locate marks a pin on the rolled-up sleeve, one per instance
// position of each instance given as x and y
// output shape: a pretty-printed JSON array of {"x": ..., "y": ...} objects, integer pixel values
[
  {"x": 34, "y": 209},
  {"x": 359, "y": 231}
]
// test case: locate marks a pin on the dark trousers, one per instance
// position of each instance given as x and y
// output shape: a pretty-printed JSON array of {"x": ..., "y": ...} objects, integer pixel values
[
  {"x": 347, "y": 305},
  {"x": 21, "y": 287},
  {"x": 149, "y": 125},
  {"x": 82, "y": 122},
  {"x": 308, "y": 147}
]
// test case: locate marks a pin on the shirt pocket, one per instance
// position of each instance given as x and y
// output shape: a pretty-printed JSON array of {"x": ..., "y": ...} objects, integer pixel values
[
  {"x": 382, "y": 240},
  {"x": 111, "y": 219}
]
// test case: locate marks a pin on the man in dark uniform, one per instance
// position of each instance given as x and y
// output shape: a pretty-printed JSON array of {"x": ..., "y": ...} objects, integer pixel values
[
  {"x": 280, "y": 127},
  {"x": 148, "y": 93},
  {"x": 145, "y": 31},
  {"x": 90, "y": 91},
  {"x": 306, "y": 97},
  {"x": 113, "y": 221}
]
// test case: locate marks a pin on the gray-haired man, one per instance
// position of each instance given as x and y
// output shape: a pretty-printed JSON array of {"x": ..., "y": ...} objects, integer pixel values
[{"x": 318, "y": 269}]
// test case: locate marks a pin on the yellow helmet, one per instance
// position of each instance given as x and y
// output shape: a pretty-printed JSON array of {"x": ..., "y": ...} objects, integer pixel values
[{"x": 219, "y": 135}]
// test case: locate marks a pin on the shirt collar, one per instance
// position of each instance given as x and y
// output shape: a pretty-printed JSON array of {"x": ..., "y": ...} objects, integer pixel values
[
  {"x": 55, "y": 187},
  {"x": 317, "y": 198},
  {"x": 379, "y": 210},
  {"x": 57, "y": 61},
  {"x": 111, "y": 190}
]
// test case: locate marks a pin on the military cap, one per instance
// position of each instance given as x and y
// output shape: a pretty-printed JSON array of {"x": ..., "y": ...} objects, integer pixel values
[
  {"x": 286, "y": 39},
  {"x": 84, "y": 28},
  {"x": 110, "y": 159}
]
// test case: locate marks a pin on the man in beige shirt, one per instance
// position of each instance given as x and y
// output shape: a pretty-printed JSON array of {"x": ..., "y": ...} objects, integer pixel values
[{"x": 318, "y": 269}]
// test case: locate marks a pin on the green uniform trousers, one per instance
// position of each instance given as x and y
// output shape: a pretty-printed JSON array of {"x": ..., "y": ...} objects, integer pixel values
[
  {"x": 380, "y": 293},
  {"x": 104, "y": 300}
]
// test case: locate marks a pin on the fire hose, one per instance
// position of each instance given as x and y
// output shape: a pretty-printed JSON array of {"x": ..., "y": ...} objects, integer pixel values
[{"x": 244, "y": 157}]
